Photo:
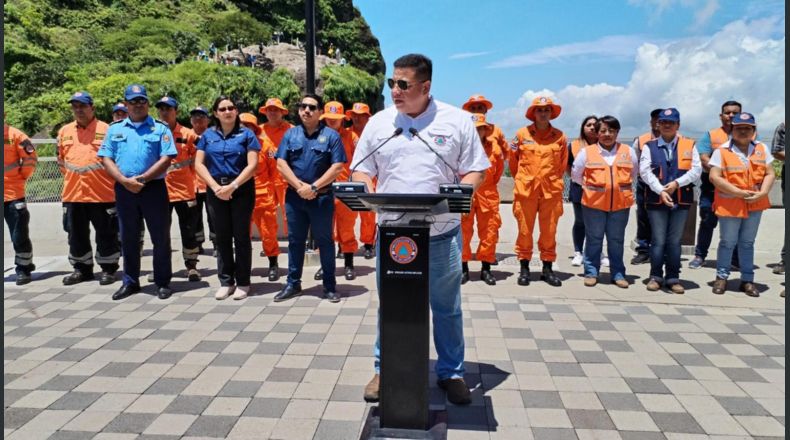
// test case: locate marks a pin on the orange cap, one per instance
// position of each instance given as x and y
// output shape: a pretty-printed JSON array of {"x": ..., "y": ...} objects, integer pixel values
[
  {"x": 273, "y": 102},
  {"x": 542, "y": 101},
  {"x": 333, "y": 110},
  {"x": 359, "y": 108},
  {"x": 477, "y": 99},
  {"x": 479, "y": 120},
  {"x": 250, "y": 121}
]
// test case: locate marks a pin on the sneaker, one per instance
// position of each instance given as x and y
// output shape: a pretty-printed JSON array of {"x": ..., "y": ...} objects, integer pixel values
[
  {"x": 241, "y": 292},
  {"x": 696, "y": 262},
  {"x": 224, "y": 292},
  {"x": 457, "y": 391},
  {"x": 578, "y": 259},
  {"x": 640, "y": 258},
  {"x": 604, "y": 261}
]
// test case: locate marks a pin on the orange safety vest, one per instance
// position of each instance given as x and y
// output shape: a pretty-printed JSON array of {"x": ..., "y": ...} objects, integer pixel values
[
  {"x": 349, "y": 139},
  {"x": 180, "y": 178},
  {"x": 608, "y": 188},
  {"x": 668, "y": 171},
  {"x": 84, "y": 178},
  {"x": 19, "y": 162},
  {"x": 747, "y": 177},
  {"x": 643, "y": 139},
  {"x": 542, "y": 159},
  {"x": 266, "y": 173},
  {"x": 718, "y": 137}
]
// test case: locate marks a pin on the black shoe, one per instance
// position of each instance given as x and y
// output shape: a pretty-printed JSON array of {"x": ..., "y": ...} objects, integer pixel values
[
  {"x": 457, "y": 391},
  {"x": 319, "y": 275},
  {"x": 23, "y": 278},
  {"x": 106, "y": 278},
  {"x": 77, "y": 277},
  {"x": 368, "y": 252},
  {"x": 549, "y": 277},
  {"x": 485, "y": 276},
  {"x": 524, "y": 276},
  {"x": 262, "y": 254},
  {"x": 339, "y": 253},
  {"x": 331, "y": 295},
  {"x": 163, "y": 292},
  {"x": 640, "y": 258},
  {"x": 464, "y": 277},
  {"x": 274, "y": 273},
  {"x": 288, "y": 292},
  {"x": 125, "y": 291},
  {"x": 350, "y": 275},
  {"x": 779, "y": 269}
]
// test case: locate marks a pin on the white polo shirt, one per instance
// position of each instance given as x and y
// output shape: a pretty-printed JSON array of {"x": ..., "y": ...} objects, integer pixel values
[{"x": 407, "y": 166}]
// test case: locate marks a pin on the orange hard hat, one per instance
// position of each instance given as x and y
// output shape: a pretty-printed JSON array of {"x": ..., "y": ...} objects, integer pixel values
[
  {"x": 477, "y": 99},
  {"x": 542, "y": 101}
]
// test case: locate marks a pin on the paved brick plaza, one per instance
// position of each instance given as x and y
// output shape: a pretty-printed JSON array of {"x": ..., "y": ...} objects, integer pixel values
[{"x": 545, "y": 363}]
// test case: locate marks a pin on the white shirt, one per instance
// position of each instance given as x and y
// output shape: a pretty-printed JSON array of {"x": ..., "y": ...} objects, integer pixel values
[
  {"x": 715, "y": 158},
  {"x": 405, "y": 165},
  {"x": 645, "y": 171},
  {"x": 577, "y": 171}
]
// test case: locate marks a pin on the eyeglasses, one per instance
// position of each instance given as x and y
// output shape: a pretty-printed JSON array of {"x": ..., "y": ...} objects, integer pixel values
[
  {"x": 312, "y": 107},
  {"x": 138, "y": 101},
  {"x": 401, "y": 83},
  {"x": 229, "y": 108}
]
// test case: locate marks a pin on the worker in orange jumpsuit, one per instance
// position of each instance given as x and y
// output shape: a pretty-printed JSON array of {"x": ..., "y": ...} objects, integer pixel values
[
  {"x": 88, "y": 195},
  {"x": 275, "y": 128},
  {"x": 538, "y": 159},
  {"x": 199, "y": 119},
  {"x": 19, "y": 163},
  {"x": 478, "y": 104},
  {"x": 359, "y": 115},
  {"x": 345, "y": 218},
  {"x": 264, "y": 215},
  {"x": 485, "y": 208},
  {"x": 180, "y": 181}
]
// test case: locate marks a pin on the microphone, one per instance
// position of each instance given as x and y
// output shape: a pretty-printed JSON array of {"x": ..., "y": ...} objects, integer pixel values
[
  {"x": 416, "y": 134},
  {"x": 397, "y": 133}
]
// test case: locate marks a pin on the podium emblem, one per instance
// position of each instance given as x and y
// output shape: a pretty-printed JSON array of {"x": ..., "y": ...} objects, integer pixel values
[{"x": 403, "y": 250}]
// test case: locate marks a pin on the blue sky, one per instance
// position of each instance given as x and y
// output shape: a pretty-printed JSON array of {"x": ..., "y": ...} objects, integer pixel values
[{"x": 615, "y": 57}]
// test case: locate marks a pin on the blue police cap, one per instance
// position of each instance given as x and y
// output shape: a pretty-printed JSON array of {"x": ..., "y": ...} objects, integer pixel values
[
  {"x": 135, "y": 91},
  {"x": 744, "y": 118},
  {"x": 199, "y": 109},
  {"x": 83, "y": 97},
  {"x": 168, "y": 101},
  {"x": 120, "y": 107},
  {"x": 669, "y": 114}
]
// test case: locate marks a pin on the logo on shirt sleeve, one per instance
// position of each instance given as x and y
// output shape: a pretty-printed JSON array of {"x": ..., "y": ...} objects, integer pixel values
[{"x": 166, "y": 138}]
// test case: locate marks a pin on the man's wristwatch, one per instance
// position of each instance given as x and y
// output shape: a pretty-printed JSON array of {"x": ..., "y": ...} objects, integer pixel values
[
  {"x": 314, "y": 188},
  {"x": 140, "y": 179}
]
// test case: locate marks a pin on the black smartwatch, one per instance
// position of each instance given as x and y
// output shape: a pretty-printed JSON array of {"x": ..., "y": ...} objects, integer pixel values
[
  {"x": 314, "y": 188},
  {"x": 141, "y": 179}
]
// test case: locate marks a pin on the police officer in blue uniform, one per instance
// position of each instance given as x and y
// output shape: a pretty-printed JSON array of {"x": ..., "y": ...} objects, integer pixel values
[
  {"x": 136, "y": 153},
  {"x": 310, "y": 157}
]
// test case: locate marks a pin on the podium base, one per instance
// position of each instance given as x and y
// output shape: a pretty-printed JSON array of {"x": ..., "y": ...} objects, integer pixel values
[{"x": 372, "y": 429}]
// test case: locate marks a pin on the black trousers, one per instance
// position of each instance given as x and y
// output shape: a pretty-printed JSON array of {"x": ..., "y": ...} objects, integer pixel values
[
  {"x": 77, "y": 219},
  {"x": 187, "y": 211},
  {"x": 231, "y": 220},
  {"x": 17, "y": 217}
]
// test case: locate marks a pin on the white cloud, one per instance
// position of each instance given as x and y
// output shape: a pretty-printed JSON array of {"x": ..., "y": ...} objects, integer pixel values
[
  {"x": 744, "y": 61},
  {"x": 611, "y": 46},
  {"x": 465, "y": 55},
  {"x": 704, "y": 14}
]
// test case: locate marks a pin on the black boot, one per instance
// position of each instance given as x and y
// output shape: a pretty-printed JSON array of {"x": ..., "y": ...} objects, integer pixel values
[
  {"x": 523, "y": 276},
  {"x": 349, "y": 266},
  {"x": 339, "y": 252},
  {"x": 548, "y": 275},
  {"x": 368, "y": 251},
  {"x": 274, "y": 269},
  {"x": 485, "y": 274},
  {"x": 464, "y": 272}
]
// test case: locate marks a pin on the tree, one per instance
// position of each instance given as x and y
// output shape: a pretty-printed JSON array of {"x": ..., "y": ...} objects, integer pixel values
[{"x": 237, "y": 29}]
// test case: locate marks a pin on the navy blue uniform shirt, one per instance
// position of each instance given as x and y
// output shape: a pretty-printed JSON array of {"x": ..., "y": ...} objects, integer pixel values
[
  {"x": 311, "y": 156},
  {"x": 226, "y": 156},
  {"x": 136, "y": 149}
]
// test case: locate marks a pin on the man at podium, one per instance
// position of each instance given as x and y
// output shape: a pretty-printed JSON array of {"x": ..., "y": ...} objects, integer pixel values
[{"x": 413, "y": 147}]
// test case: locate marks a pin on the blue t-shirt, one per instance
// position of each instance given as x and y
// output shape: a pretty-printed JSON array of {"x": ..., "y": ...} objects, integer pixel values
[
  {"x": 703, "y": 145},
  {"x": 226, "y": 156},
  {"x": 136, "y": 149},
  {"x": 311, "y": 156}
]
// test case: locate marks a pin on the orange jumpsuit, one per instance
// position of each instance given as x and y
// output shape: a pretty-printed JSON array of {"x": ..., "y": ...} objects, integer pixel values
[
  {"x": 275, "y": 134},
  {"x": 538, "y": 160},
  {"x": 19, "y": 163},
  {"x": 345, "y": 218},
  {"x": 485, "y": 206},
  {"x": 264, "y": 216},
  {"x": 367, "y": 219},
  {"x": 180, "y": 181}
]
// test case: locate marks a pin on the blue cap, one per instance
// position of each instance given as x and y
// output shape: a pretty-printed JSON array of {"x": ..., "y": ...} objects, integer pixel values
[
  {"x": 669, "y": 114},
  {"x": 168, "y": 101},
  {"x": 135, "y": 91},
  {"x": 83, "y": 97},
  {"x": 744, "y": 118},
  {"x": 199, "y": 109},
  {"x": 120, "y": 107}
]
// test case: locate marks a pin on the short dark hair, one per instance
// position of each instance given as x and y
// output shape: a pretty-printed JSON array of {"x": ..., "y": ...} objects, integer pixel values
[
  {"x": 654, "y": 114},
  {"x": 729, "y": 103},
  {"x": 609, "y": 120},
  {"x": 317, "y": 98},
  {"x": 584, "y": 122},
  {"x": 215, "y": 106},
  {"x": 421, "y": 64}
]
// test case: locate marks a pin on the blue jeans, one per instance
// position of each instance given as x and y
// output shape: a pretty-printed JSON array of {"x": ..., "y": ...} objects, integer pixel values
[
  {"x": 444, "y": 287},
  {"x": 578, "y": 227},
  {"x": 737, "y": 233},
  {"x": 612, "y": 224},
  {"x": 317, "y": 215},
  {"x": 667, "y": 226}
]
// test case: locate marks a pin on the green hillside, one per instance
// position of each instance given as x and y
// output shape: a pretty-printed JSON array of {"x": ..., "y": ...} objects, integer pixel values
[{"x": 55, "y": 47}]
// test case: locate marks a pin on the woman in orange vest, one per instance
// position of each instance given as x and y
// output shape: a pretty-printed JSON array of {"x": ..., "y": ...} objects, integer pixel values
[
  {"x": 539, "y": 157},
  {"x": 264, "y": 215},
  {"x": 485, "y": 207},
  {"x": 587, "y": 136},
  {"x": 606, "y": 171},
  {"x": 741, "y": 172}
]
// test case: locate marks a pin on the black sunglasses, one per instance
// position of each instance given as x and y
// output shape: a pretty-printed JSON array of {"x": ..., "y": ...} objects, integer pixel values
[
  {"x": 312, "y": 107},
  {"x": 401, "y": 83}
]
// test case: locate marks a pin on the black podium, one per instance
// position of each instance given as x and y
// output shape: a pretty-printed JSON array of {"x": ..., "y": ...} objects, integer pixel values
[{"x": 404, "y": 307}]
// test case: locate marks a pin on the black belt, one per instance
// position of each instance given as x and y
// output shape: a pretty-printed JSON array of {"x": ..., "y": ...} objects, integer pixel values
[{"x": 225, "y": 180}]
